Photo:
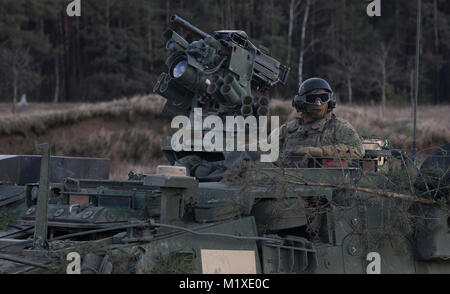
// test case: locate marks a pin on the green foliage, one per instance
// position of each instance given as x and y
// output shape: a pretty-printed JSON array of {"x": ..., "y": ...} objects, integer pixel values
[
  {"x": 123, "y": 262},
  {"x": 389, "y": 221},
  {"x": 8, "y": 217},
  {"x": 393, "y": 176},
  {"x": 174, "y": 264},
  {"x": 433, "y": 183}
]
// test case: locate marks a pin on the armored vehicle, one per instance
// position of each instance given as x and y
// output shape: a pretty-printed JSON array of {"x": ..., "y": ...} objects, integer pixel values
[{"x": 212, "y": 211}]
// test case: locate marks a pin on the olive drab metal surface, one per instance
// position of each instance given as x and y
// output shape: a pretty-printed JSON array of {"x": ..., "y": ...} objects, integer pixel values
[
  {"x": 24, "y": 169},
  {"x": 40, "y": 231}
]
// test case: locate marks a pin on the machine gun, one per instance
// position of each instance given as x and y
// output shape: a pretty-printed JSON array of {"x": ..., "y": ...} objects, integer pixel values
[{"x": 224, "y": 74}]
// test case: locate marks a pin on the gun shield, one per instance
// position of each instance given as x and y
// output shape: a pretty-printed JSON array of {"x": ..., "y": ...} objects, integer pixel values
[
  {"x": 175, "y": 40},
  {"x": 173, "y": 46}
]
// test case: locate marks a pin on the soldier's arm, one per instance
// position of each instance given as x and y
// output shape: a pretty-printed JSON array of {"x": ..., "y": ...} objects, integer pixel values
[
  {"x": 348, "y": 143},
  {"x": 282, "y": 134},
  {"x": 342, "y": 151}
]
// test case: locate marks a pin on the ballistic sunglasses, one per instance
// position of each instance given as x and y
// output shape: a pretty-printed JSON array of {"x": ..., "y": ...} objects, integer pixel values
[{"x": 312, "y": 98}]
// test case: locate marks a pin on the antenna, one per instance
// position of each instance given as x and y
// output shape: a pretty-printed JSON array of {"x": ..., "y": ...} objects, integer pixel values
[{"x": 416, "y": 82}]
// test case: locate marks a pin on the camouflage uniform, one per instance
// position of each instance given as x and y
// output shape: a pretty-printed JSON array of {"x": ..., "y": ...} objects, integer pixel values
[{"x": 333, "y": 136}]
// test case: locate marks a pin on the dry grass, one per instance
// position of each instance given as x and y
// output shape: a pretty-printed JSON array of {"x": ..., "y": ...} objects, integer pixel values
[
  {"x": 40, "y": 120},
  {"x": 131, "y": 131},
  {"x": 396, "y": 124},
  {"x": 128, "y": 131}
]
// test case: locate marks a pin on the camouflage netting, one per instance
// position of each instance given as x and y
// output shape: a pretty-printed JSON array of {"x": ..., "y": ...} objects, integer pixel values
[
  {"x": 174, "y": 264},
  {"x": 398, "y": 195},
  {"x": 7, "y": 217},
  {"x": 121, "y": 261}
]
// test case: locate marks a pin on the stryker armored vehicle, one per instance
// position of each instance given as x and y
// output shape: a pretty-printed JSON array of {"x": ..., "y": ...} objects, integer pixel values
[{"x": 225, "y": 212}]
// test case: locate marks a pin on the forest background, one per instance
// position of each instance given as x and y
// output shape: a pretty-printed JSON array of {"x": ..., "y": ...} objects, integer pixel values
[{"x": 115, "y": 48}]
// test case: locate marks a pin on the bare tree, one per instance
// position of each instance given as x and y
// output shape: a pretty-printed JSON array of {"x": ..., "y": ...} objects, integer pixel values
[
  {"x": 411, "y": 71},
  {"x": 56, "y": 97},
  {"x": 294, "y": 12},
  {"x": 249, "y": 5},
  {"x": 436, "y": 49},
  {"x": 17, "y": 68},
  {"x": 302, "y": 42},
  {"x": 384, "y": 70},
  {"x": 381, "y": 60},
  {"x": 348, "y": 66},
  {"x": 58, "y": 53},
  {"x": 168, "y": 12},
  {"x": 227, "y": 17}
]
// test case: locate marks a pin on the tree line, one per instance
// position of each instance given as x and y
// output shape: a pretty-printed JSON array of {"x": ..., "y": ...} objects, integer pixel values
[{"x": 115, "y": 48}]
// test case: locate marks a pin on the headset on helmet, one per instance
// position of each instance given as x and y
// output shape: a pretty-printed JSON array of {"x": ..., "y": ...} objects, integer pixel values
[{"x": 309, "y": 85}]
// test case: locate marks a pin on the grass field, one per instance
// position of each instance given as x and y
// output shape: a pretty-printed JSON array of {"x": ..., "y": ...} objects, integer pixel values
[{"x": 131, "y": 131}]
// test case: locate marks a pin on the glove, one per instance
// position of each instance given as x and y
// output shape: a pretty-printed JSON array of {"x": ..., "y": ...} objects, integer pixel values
[
  {"x": 312, "y": 151},
  {"x": 342, "y": 151}
]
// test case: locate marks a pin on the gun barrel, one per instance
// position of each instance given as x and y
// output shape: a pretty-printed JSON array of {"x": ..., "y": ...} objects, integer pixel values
[
  {"x": 230, "y": 95},
  {"x": 264, "y": 101},
  {"x": 187, "y": 25},
  {"x": 262, "y": 111},
  {"x": 216, "y": 79},
  {"x": 246, "y": 110},
  {"x": 229, "y": 79},
  {"x": 247, "y": 100}
]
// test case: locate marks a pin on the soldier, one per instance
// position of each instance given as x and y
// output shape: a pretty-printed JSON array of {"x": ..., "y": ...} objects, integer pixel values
[{"x": 318, "y": 132}]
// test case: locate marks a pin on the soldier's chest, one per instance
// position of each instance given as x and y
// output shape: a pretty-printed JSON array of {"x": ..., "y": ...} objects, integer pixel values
[{"x": 303, "y": 135}]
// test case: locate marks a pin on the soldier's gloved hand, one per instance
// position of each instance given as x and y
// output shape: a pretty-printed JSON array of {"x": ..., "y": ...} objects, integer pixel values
[{"x": 312, "y": 151}]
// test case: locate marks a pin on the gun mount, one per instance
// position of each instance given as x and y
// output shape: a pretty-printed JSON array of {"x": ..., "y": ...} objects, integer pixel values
[{"x": 223, "y": 73}]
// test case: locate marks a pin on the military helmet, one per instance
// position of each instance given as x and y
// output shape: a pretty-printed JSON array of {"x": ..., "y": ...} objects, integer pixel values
[{"x": 301, "y": 100}]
